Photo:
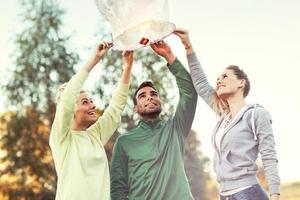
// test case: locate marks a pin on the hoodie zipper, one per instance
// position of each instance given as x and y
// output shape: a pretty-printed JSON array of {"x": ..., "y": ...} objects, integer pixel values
[
  {"x": 214, "y": 142},
  {"x": 221, "y": 123}
]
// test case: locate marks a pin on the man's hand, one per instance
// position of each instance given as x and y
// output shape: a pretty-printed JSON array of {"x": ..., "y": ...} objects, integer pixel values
[{"x": 162, "y": 49}]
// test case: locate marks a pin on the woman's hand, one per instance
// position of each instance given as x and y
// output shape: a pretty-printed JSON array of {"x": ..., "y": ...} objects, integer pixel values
[
  {"x": 101, "y": 50},
  {"x": 127, "y": 58},
  {"x": 184, "y": 37},
  {"x": 274, "y": 197}
]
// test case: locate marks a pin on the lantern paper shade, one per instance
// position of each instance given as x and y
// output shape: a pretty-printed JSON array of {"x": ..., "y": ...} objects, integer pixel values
[{"x": 136, "y": 23}]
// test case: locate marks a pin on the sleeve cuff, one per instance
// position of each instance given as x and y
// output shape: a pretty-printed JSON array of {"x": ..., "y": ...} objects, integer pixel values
[
  {"x": 174, "y": 67},
  {"x": 191, "y": 56},
  {"x": 122, "y": 87},
  {"x": 82, "y": 74},
  {"x": 192, "y": 59},
  {"x": 274, "y": 189}
]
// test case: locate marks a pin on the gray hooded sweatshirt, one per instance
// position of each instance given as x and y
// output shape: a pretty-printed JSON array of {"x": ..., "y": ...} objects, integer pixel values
[{"x": 251, "y": 133}]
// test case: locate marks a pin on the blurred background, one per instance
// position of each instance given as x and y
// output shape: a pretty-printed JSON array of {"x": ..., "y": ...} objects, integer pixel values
[{"x": 43, "y": 43}]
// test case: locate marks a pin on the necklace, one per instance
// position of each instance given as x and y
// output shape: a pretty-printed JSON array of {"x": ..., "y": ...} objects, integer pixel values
[{"x": 227, "y": 122}]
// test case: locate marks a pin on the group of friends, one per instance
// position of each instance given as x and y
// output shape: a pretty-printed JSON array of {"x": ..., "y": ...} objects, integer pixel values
[{"x": 148, "y": 161}]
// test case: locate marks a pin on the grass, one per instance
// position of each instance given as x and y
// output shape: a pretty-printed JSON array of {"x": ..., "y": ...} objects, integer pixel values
[{"x": 290, "y": 191}]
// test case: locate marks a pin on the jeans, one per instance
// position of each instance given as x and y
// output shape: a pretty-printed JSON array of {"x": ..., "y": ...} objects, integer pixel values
[{"x": 255, "y": 192}]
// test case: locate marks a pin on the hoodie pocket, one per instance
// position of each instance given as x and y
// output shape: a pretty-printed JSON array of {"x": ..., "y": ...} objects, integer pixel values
[
  {"x": 230, "y": 168},
  {"x": 231, "y": 161}
]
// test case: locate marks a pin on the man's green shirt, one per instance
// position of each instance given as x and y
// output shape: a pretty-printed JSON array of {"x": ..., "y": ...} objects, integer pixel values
[{"x": 147, "y": 162}]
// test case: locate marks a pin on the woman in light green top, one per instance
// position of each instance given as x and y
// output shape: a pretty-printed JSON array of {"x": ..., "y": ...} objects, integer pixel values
[{"x": 78, "y": 137}]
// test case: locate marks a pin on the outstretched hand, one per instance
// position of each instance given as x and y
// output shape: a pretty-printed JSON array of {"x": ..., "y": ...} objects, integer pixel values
[
  {"x": 163, "y": 49},
  {"x": 127, "y": 58},
  {"x": 184, "y": 36},
  {"x": 101, "y": 50}
]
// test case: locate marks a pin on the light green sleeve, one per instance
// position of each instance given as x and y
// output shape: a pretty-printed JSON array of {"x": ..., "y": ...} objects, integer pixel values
[
  {"x": 66, "y": 107},
  {"x": 107, "y": 124}
]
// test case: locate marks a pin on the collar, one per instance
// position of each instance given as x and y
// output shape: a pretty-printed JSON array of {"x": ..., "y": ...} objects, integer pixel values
[{"x": 146, "y": 124}]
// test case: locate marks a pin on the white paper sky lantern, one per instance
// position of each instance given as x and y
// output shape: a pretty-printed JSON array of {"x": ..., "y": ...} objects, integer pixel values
[{"x": 136, "y": 23}]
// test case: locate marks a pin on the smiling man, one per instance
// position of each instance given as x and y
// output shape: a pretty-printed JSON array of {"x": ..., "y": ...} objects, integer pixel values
[{"x": 147, "y": 162}]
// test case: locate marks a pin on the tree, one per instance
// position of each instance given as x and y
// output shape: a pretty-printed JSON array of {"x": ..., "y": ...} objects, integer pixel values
[
  {"x": 42, "y": 62},
  {"x": 196, "y": 167}
]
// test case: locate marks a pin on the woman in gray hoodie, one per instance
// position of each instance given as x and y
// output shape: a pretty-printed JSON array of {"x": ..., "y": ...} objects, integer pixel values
[{"x": 242, "y": 132}]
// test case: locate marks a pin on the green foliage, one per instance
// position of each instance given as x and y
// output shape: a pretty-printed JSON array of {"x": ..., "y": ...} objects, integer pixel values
[
  {"x": 41, "y": 63},
  {"x": 41, "y": 59}
]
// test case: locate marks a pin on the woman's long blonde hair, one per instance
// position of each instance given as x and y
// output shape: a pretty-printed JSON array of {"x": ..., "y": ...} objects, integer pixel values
[{"x": 220, "y": 106}]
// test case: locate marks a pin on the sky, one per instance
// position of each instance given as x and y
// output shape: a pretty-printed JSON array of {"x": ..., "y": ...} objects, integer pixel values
[{"x": 260, "y": 36}]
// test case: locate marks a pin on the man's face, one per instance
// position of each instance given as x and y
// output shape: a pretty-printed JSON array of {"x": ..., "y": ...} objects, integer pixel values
[{"x": 148, "y": 103}]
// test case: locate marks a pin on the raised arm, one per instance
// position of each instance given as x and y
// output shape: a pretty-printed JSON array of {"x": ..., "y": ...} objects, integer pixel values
[
  {"x": 68, "y": 95},
  {"x": 98, "y": 54},
  {"x": 187, "y": 95},
  {"x": 201, "y": 84},
  {"x": 107, "y": 124},
  {"x": 127, "y": 60}
]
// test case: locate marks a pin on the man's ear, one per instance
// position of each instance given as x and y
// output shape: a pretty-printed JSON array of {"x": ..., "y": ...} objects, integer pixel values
[{"x": 135, "y": 109}]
